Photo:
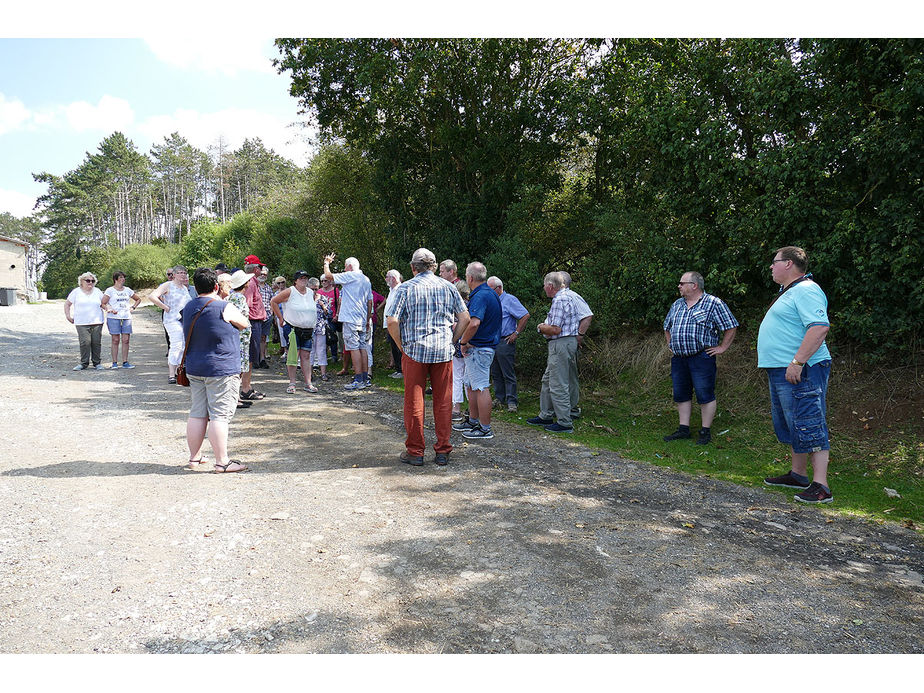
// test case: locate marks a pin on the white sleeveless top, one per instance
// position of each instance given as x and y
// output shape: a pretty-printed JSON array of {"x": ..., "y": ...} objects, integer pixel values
[{"x": 300, "y": 310}]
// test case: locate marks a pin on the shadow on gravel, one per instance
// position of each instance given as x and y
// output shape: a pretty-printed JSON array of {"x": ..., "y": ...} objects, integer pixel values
[{"x": 88, "y": 468}]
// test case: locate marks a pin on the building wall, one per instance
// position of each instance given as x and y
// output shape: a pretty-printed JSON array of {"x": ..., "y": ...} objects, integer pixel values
[{"x": 15, "y": 277}]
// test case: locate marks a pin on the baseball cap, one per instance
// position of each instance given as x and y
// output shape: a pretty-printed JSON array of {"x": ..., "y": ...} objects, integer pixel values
[
  {"x": 299, "y": 274},
  {"x": 252, "y": 260}
]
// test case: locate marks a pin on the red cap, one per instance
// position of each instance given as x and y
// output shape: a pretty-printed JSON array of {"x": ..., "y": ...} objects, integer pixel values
[{"x": 252, "y": 260}]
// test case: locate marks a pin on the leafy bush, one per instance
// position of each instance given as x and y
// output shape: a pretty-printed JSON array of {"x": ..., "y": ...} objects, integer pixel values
[{"x": 144, "y": 265}]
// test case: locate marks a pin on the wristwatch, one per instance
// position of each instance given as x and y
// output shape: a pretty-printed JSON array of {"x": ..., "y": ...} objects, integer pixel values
[{"x": 796, "y": 363}]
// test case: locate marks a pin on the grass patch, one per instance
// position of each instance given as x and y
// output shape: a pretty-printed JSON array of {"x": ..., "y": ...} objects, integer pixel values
[{"x": 875, "y": 420}]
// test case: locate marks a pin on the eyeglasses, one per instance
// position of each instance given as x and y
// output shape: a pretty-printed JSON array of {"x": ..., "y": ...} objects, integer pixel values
[
  {"x": 90, "y": 281},
  {"x": 779, "y": 259},
  {"x": 682, "y": 283}
]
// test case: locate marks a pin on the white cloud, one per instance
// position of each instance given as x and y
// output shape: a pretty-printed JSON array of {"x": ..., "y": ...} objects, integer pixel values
[
  {"x": 111, "y": 113},
  {"x": 16, "y": 203},
  {"x": 218, "y": 53},
  {"x": 13, "y": 115},
  {"x": 235, "y": 125}
]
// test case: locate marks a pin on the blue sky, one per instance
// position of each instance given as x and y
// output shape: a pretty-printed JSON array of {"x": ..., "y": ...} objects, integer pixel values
[{"x": 59, "y": 98}]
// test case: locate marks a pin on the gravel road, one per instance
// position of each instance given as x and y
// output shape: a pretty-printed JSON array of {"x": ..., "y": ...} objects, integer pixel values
[{"x": 525, "y": 543}]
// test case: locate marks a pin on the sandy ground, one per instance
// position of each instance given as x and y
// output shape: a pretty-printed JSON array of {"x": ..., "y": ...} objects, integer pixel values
[{"x": 526, "y": 543}]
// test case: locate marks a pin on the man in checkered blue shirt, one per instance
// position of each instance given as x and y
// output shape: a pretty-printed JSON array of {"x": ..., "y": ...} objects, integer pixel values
[
  {"x": 692, "y": 328},
  {"x": 561, "y": 328},
  {"x": 420, "y": 322}
]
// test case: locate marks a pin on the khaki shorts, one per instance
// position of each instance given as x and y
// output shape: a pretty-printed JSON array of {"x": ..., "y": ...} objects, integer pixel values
[{"x": 214, "y": 398}]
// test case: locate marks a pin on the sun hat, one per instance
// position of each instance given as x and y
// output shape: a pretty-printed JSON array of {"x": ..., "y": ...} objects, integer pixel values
[{"x": 239, "y": 278}]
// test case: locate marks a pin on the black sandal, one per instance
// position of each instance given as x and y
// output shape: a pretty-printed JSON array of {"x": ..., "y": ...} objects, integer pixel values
[
  {"x": 223, "y": 468},
  {"x": 252, "y": 395}
]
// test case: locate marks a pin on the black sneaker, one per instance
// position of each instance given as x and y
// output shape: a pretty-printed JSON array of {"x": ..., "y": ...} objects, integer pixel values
[
  {"x": 478, "y": 433},
  {"x": 556, "y": 427},
  {"x": 464, "y": 425},
  {"x": 539, "y": 421},
  {"x": 786, "y": 481},
  {"x": 704, "y": 438},
  {"x": 441, "y": 459},
  {"x": 677, "y": 435},
  {"x": 815, "y": 493}
]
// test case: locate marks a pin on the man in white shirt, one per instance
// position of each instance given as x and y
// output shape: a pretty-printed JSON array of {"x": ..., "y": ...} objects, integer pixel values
[{"x": 356, "y": 316}]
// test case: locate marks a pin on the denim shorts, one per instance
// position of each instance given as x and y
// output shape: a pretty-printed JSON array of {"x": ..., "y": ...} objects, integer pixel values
[
  {"x": 119, "y": 325},
  {"x": 799, "y": 411},
  {"x": 304, "y": 337},
  {"x": 478, "y": 368},
  {"x": 690, "y": 373}
]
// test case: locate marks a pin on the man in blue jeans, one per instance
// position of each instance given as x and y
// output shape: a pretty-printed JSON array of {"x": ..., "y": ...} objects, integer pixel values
[
  {"x": 692, "y": 328},
  {"x": 478, "y": 343},
  {"x": 791, "y": 347}
]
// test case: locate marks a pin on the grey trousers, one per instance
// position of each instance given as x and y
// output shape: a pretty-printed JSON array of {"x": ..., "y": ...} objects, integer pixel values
[
  {"x": 503, "y": 374},
  {"x": 558, "y": 398},
  {"x": 89, "y": 336}
]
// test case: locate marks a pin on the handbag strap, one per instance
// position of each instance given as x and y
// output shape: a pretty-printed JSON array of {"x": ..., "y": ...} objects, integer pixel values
[{"x": 191, "y": 326}]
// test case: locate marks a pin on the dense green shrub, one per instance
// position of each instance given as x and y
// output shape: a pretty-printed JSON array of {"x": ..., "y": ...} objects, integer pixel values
[{"x": 144, "y": 265}]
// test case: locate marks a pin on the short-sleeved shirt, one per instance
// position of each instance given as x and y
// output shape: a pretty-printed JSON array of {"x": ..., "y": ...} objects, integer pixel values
[
  {"x": 425, "y": 308},
  {"x": 175, "y": 297},
  {"x": 785, "y": 324},
  {"x": 697, "y": 327},
  {"x": 86, "y": 307},
  {"x": 564, "y": 314},
  {"x": 256, "y": 311},
  {"x": 583, "y": 310},
  {"x": 511, "y": 313},
  {"x": 484, "y": 304},
  {"x": 355, "y": 294},
  {"x": 121, "y": 301}
]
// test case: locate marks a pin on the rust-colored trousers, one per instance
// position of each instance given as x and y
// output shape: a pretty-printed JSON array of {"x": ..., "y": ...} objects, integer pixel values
[{"x": 415, "y": 382}]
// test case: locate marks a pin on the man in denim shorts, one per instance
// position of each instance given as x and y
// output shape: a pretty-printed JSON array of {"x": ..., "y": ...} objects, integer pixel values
[
  {"x": 791, "y": 347},
  {"x": 478, "y": 343},
  {"x": 692, "y": 328}
]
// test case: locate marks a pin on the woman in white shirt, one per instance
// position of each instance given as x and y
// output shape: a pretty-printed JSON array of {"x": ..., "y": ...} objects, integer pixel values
[
  {"x": 302, "y": 314},
  {"x": 116, "y": 303},
  {"x": 171, "y": 297},
  {"x": 83, "y": 309}
]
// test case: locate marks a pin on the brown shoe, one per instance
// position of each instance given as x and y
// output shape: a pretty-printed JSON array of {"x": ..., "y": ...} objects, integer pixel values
[{"x": 408, "y": 458}]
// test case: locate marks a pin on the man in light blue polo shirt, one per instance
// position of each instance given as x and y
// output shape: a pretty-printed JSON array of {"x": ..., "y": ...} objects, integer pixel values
[
  {"x": 791, "y": 347},
  {"x": 513, "y": 320},
  {"x": 478, "y": 342},
  {"x": 356, "y": 315}
]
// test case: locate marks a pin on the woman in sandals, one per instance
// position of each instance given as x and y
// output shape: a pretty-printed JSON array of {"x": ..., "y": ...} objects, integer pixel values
[
  {"x": 211, "y": 330},
  {"x": 302, "y": 315},
  {"x": 171, "y": 296}
]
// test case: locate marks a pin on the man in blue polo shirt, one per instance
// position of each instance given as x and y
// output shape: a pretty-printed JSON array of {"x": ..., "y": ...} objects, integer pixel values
[
  {"x": 791, "y": 347},
  {"x": 478, "y": 343},
  {"x": 692, "y": 328}
]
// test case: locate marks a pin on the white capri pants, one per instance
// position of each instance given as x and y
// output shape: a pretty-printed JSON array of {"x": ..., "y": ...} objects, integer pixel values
[
  {"x": 458, "y": 376},
  {"x": 319, "y": 349},
  {"x": 177, "y": 342}
]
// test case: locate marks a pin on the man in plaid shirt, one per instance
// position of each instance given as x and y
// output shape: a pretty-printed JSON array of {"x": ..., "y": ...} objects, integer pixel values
[
  {"x": 691, "y": 329},
  {"x": 420, "y": 322},
  {"x": 561, "y": 329}
]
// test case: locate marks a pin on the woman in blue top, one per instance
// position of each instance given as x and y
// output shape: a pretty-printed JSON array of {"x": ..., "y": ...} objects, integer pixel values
[{"x": 213, "y": 364}]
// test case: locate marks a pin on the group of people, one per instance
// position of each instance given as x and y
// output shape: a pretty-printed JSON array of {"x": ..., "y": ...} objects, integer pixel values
[
  {"x": 448, "y": 333},
  {"x": 452, "y": 337},
  {"x": 790, "y": 348}
]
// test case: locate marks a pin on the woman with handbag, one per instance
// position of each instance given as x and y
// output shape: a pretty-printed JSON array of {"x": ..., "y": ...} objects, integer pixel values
[{"x": 212, "y": 363}]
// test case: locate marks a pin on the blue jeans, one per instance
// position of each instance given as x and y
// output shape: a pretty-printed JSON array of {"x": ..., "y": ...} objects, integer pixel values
[
  {"x": 799, "y": 411},
  {"x": 689, "y": 373}
]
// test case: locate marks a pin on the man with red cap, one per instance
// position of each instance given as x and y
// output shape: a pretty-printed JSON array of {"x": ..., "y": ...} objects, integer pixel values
[{"x": 257, "y": 315}]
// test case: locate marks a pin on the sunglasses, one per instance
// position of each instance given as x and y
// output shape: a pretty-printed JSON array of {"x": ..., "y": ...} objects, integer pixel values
[{"x": 90, "y": 281}]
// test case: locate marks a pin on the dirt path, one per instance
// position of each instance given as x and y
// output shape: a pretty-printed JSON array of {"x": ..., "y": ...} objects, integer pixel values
[{"x": 523, "y": 544}]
